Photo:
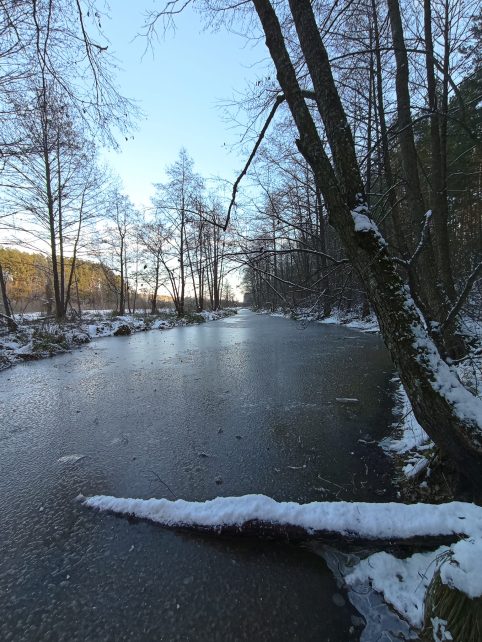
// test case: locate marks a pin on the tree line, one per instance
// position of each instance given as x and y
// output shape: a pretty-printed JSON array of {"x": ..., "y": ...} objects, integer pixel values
[
  {"x": 172, "y": 252},
  {"x": 58, "y": 105},
  {"x": 293, "y": 255}
]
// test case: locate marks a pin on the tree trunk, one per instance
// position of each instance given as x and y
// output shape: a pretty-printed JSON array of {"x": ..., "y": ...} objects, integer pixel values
[
  {"x": 12, "y": 326},
  {"x": 425, "y": 287},
  {"x": 122, "y": 300},
  {"x": 156, "y": 288},
  {"x": 438, "y": 191},
  {"x": 387, "y": 166},
  {"x": 60, "y": 230},
  {"x": 325, "y": 279},
  {"x": 59, "y": 311}
]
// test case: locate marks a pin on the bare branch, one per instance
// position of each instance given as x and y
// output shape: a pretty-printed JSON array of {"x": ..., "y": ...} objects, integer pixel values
[
  {"x": 463, "y": 295},
  {"x": 279, "y": 99}
]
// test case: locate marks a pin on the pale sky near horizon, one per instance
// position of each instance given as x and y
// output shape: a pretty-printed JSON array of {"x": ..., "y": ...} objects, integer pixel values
[{"x": 180, "y": 86}]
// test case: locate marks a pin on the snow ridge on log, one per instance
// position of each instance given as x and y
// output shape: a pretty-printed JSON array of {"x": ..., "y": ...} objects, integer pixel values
[{"x": 262, "y": 515}]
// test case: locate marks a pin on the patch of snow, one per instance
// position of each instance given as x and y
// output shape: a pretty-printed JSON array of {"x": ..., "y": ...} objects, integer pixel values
[
  {"x": 159, "y": 324},
  {"x": 402, "y": 582},
  {"x": 208, "y": 316},
  {"x": 382, "y": 623},
  {"x": 331, "y": 320},
  {"x": 70, "y": 459},
  {"x": 415, "y": 466},
  {"x": 25, "y": 349},
  {"x": 11, "y": 345},
  {"x": 463, "y": 569},
  {"x": 369, "y": 324},
  {"x": 440, "y": 631},
  {"x": 362, "y": 222},
  {"x": 410, "y": 434}
]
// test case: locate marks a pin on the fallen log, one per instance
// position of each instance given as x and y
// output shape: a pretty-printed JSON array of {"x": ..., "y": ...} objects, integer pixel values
[{"x": 342, "y": 523}]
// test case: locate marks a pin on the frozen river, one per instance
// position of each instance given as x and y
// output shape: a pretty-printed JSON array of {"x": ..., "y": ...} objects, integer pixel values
[{"x": 243, "y": 405}]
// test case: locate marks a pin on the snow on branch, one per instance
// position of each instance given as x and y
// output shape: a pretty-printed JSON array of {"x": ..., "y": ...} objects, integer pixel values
[{"x": 423, "y": 238}]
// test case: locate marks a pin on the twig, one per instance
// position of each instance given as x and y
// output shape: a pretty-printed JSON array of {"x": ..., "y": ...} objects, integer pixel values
[{"x": 163, "y": 483}]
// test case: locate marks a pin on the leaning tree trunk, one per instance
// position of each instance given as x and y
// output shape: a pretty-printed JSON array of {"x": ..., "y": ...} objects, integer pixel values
[
  {"x": 425, "y": 286},
  {"x": 446, "y": 410},
  {"x": 438, "y": 193}
]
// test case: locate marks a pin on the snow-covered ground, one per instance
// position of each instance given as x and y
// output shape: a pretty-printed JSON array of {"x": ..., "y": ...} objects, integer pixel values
[
  {"x": 409, "y": 443},
  {"x": 37, "y": 337},
  {"x": 368, "y": 324}
]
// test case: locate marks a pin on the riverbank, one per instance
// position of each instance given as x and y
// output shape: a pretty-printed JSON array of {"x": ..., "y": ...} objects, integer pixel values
[
  {"x": 421, "y": 473},
  {"x": 39, "y": 337}
]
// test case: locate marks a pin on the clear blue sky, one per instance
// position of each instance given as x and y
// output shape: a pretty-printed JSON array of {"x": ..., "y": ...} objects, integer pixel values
[{"x": 179, "y": 85}]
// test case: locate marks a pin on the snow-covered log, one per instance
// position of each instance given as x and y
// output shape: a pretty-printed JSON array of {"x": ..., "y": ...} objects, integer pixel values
[{"x": 342, "y": 522}]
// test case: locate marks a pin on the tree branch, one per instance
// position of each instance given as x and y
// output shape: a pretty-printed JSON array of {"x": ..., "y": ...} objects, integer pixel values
[
  {"x": 423, "y": 239},
  {"x": 463, "y": 296},
  {"x": 280, "y": 98}
]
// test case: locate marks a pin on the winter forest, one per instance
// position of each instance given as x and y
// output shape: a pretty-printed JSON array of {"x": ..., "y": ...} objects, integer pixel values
[{"x": 291, "y": 405}]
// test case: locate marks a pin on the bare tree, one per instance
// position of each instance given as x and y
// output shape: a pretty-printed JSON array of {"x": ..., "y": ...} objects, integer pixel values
[
  {"x": 113, "y": 245},
  {"x": 175, "y": 203},
  {"x": 56, "y": 93}
]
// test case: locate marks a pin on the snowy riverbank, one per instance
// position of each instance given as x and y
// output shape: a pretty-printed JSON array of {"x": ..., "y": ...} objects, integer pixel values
[{"x": 39, "y": 337}]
